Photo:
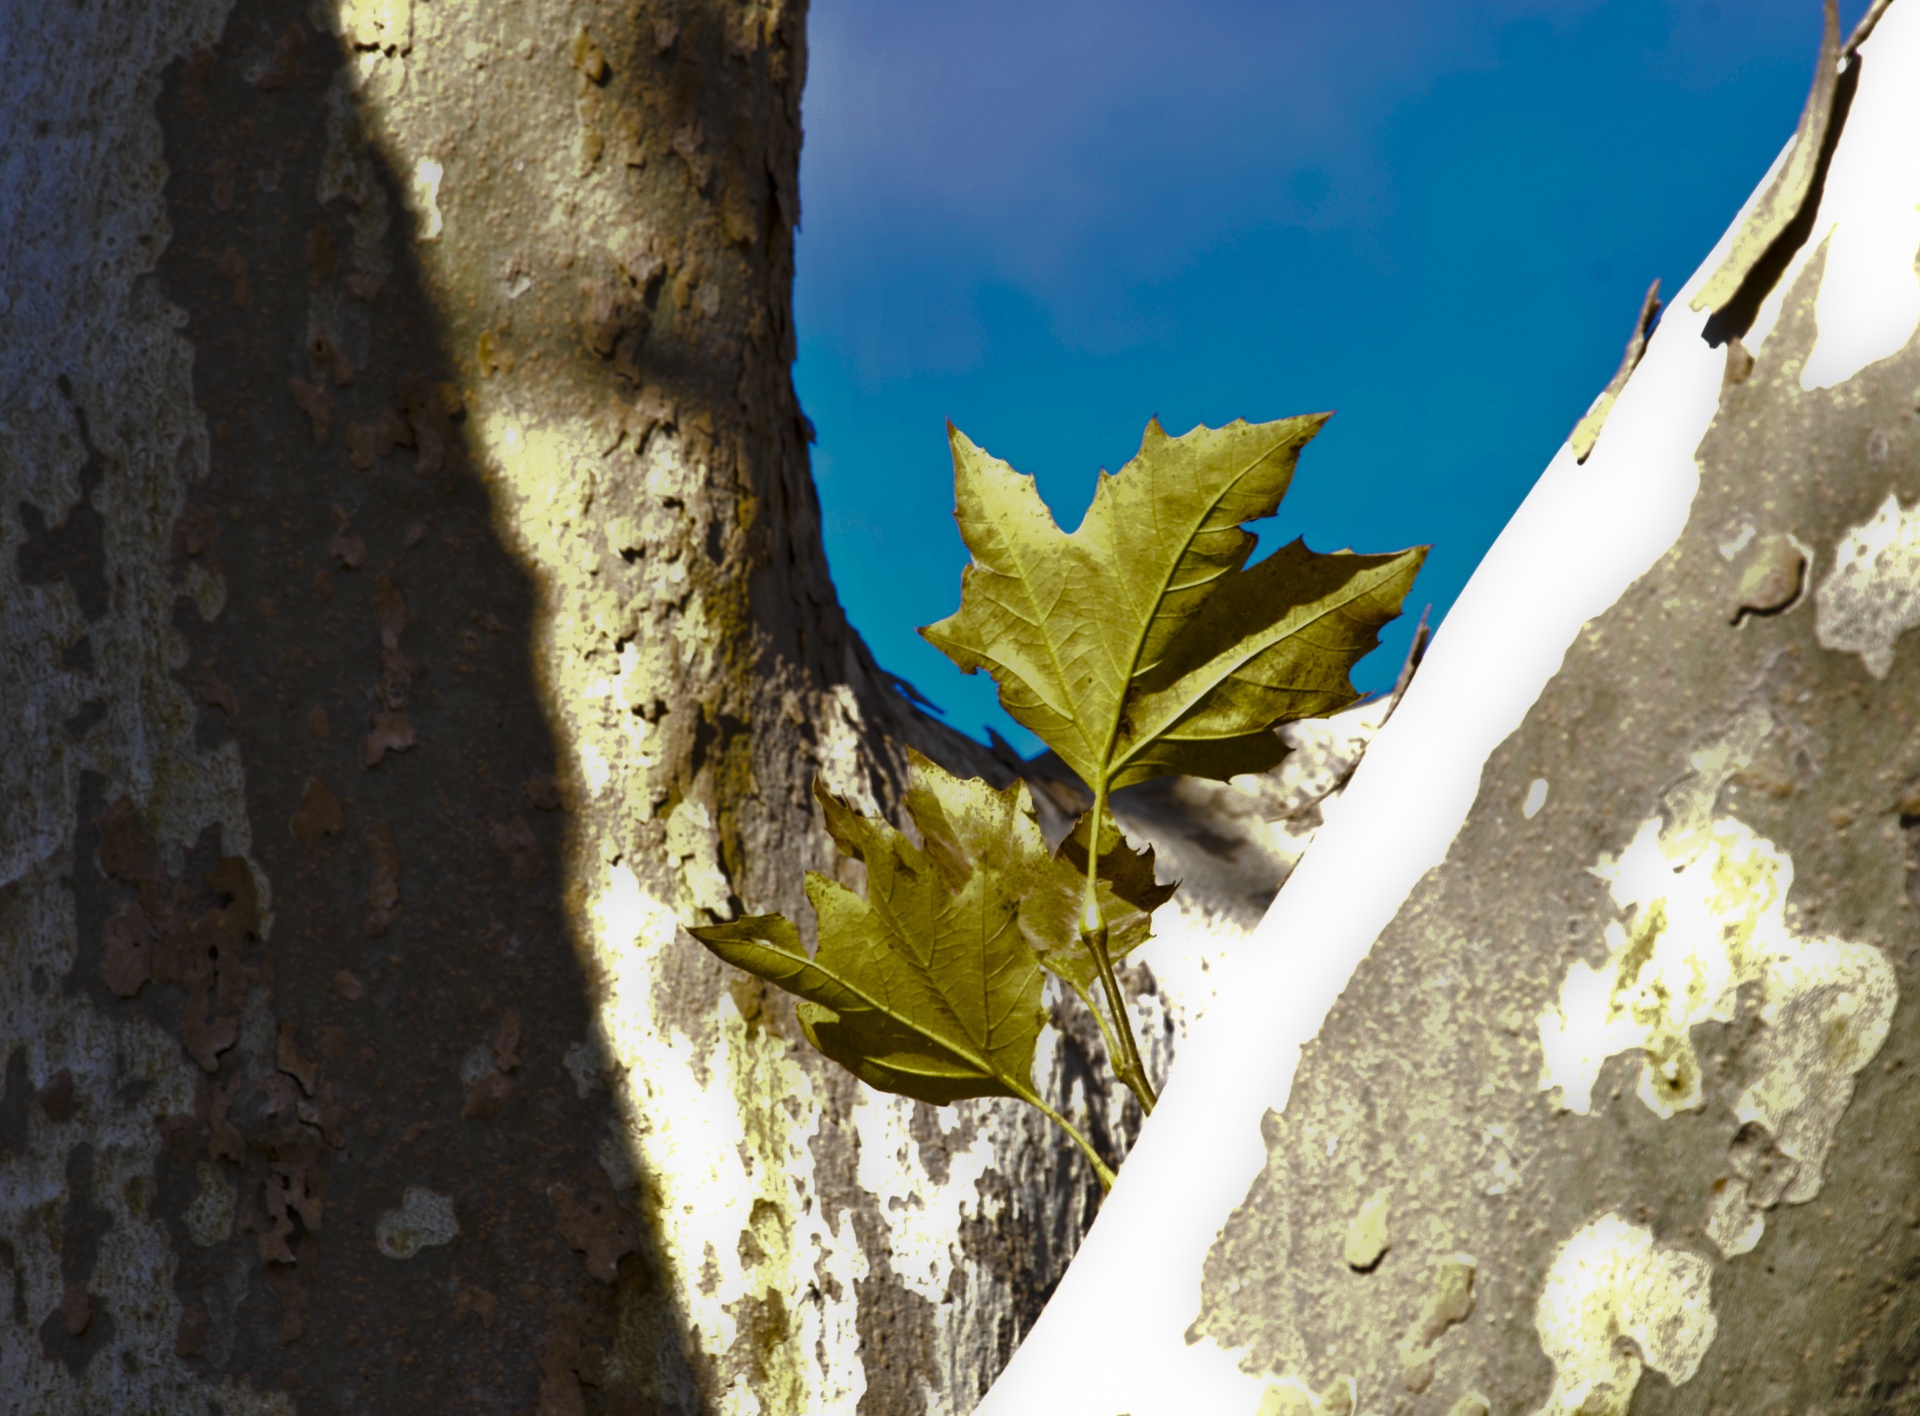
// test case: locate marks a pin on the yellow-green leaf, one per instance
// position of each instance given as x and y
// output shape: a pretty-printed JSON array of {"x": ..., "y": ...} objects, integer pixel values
[
  {"x": 926, "y": 986},
  {"x": 1141, "y": 643},
  {"x": 965, "y": 822}
]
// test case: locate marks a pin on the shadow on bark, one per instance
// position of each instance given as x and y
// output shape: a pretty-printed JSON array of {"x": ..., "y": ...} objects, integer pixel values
[{"x": 413, "y": 1037}]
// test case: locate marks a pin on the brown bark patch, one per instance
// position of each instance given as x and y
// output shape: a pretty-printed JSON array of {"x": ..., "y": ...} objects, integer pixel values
[
  {"x": 522, "y": 848},
  {"x": 233, "y": 266},
  {"x": 346, "y": 547},
  {"x": 429, "y": 409},
  {"x": 127, "y": 961},
  {"x": 506, "y": 1041},
  {"x": 197, "y": 530},
  {"x": 391, "y": 732},
  {"x": 542, "y": 792},
  {"x": 283, "y": 65},
  {"x": 487, "y": 1098},
  {"x": 291, "y": 1290},
  {"x": 56, "y": 1097},
  {"x": 76, "y": 1308},
  {"x": 595, "y": 1225},
  {"x": 288, "y": 1059},
  {"x": 314, "y": 401},
  {"x": 127, "y": 852},
  {"x": 190, "y": 1338},
  {"x": 478, "y": 1303},
  {"x": 383, "y": 893},
  {"x": 319, "y": 815}
]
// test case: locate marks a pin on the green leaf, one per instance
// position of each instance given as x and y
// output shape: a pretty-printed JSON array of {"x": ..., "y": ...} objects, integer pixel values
[
  {"x": 926, "y": 987},
  {"x": 1050, "y": 908},
  {"x": 968, "y": 825},
  {"x": 1141, "y": 643}
]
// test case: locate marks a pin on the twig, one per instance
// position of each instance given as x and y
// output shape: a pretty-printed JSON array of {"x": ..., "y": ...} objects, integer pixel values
[
  {"x": 1416, "y": 651},
  {"x": 910, "y": 693}
]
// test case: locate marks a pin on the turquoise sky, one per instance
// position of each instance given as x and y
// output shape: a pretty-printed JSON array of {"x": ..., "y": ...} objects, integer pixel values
[{"x": 1049, "y": 220}]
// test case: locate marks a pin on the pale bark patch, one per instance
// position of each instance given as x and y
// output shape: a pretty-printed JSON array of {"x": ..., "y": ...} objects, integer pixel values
[
  {"x": 423, "y": 1219},
  {"x": 1705, "y": 903},
  {"x": 209, "y": 1217},
  {"x": 1611, "y": 1281},
  {"x": 1872, "y": 595}
]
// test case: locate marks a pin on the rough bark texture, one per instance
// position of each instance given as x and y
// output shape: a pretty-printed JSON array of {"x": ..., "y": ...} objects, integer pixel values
[{"x": 412, "y": 608}]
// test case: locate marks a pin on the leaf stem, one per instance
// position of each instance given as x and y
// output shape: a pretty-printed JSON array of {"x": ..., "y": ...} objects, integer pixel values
[
  {"x": 1093, "y": 932},
  {"x": 1107, "y": 1038},
  {"x": 1100, "y": 1170}
]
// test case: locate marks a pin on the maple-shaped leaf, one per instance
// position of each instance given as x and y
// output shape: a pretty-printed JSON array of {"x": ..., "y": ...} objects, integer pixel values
[
  {"x": 925, "y": 987},
  {"x": 1142, "y": 643},
  {"x": 972, "y": 825}
]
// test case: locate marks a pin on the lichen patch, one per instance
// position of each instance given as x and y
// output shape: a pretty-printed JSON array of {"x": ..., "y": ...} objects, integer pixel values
[
  {"x": 423, "y": 199},
  {"x": 736, "y": 1148},
  {"x": 1694, "y": 891}
]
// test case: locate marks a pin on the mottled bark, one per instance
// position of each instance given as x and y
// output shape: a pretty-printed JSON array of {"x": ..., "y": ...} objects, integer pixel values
[
  {"x": 412, "y": 611},
  {"x": 1604, "y": 974}
]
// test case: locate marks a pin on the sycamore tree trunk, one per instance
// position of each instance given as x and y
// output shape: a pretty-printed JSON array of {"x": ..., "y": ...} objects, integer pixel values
[
  {"x": 412, "y": 610},
  {"x": 1577, "y": 1071}
]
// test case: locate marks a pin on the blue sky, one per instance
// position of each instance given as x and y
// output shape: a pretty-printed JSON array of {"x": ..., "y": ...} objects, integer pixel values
[{"x": 1051, "y": 219}]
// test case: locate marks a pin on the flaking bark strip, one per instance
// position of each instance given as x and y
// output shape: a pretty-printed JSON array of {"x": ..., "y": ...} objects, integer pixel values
[
  {"x": 1587, "y": 431},
  {"x": 1796, "y": 186}
]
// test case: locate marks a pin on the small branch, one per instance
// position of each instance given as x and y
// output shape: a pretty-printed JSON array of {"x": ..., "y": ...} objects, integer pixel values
[
  {"x": 1863, "y": 29},
  {"x": 1416, "y": 651},
  {"x": 910, "y": 693}
]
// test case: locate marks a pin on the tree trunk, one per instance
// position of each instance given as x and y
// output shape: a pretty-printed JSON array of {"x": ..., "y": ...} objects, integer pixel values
[
  {"x": 414, "y": 609},
  {"x": 1604, "y": 971}
]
